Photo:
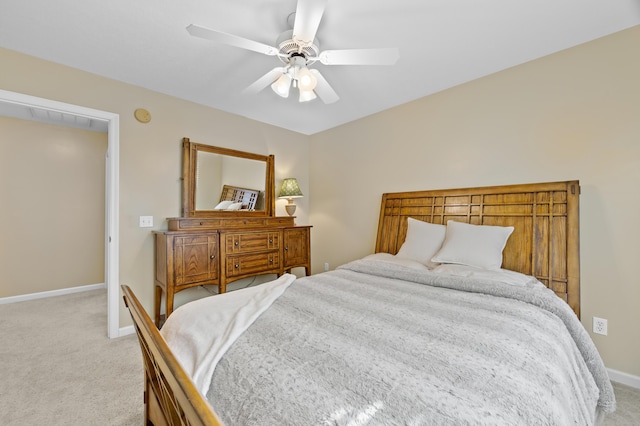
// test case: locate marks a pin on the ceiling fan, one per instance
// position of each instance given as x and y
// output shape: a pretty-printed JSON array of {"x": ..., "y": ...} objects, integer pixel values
[{"x": 298, "y": 48}]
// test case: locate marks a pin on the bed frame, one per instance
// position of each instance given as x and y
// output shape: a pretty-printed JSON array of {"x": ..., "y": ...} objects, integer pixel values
[
  {"x": 170, "y": 397},
  {"x": 545, "y": 243}
]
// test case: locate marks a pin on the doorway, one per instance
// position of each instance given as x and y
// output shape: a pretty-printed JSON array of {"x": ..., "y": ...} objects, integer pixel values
[{"x": 112, "y": 172}]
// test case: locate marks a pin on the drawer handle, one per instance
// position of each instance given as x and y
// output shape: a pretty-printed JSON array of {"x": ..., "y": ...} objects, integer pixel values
[
  {"x": 271, "y": 260},
  {"x": 270, "y": 241},
  {"x": 235, "y": 244},
  {"x": 237, "y": 266},
  {"x": 286, "y": 249},
  {"x": 201, "y": 223},
  {"x": 213, "y": 256}
]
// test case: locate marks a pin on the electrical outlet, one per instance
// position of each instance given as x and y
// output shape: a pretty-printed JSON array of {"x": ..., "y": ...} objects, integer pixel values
[
  {"x": 600, "y": 326},
  {"x": 326, "y": 266}
]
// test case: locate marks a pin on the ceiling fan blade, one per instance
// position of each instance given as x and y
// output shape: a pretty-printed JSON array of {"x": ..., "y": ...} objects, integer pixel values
[
  {"x": 385, "y": 56},
  {"x": 231, "y": 40},
  {"x": 308, "y": 16},
  {"x": 264, "y": 81},
  {"x": 324, "y": 89}
]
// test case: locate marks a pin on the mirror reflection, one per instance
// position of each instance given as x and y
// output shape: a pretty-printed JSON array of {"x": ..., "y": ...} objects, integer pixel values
[
  {"x": 229, "y": 183},
  {"x": 223, "y": 182}
]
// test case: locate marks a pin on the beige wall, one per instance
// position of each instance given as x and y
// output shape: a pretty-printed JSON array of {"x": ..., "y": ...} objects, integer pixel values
[
  {"x": 150, "y": 154},
  {"x": 572, "y": 115},
  {"x": 52, "y": 190}
]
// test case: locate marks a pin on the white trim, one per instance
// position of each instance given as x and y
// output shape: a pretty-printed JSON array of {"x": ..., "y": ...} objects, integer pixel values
[
  {"x": 112, "y": 188},
  {"x": 50, "y": 293},
  {"x": 112, "y": 268},
  {"x": 126, "y": 331},
  {"x": 624, "y": 378}
]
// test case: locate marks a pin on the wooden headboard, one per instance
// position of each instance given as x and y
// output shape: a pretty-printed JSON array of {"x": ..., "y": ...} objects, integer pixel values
[
  {"x": 545, "y": 242},
  {"x": 248, "y": 197}
]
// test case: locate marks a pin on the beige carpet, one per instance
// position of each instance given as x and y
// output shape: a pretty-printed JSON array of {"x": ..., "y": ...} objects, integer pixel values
[
  {"x": 628, "y": 412},
  {"x": 57, "y": 367}
]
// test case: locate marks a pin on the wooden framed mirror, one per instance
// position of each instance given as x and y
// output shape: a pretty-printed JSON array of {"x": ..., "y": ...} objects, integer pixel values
[{"x": 222, "y": 182}]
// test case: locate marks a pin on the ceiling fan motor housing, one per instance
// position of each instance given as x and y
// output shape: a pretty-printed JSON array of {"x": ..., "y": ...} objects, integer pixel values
[{"x": 288, "y": 47}]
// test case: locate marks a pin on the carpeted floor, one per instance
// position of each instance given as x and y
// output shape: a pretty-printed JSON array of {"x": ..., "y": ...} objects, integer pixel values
[
  {"x": 59, "y": 368},
  {"x": 628, "y": 411}
]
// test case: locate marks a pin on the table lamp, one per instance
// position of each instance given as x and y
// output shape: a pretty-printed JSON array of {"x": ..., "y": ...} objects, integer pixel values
[{"x": 290, "y": 190}]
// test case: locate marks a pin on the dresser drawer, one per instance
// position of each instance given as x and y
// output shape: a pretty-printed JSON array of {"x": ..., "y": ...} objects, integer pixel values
[
  {"x": 249, "y": 242},
  {"x": 195, "y": 223},
  {"x": 279, "y": 221},
  {"x": 249, "y": 264},
  {"x": 245, "y": 222},
  {"x": 211, "y": 223}
]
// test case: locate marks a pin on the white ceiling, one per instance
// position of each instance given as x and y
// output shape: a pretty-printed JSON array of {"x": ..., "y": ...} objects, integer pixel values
[{"x": 442, "y": 43}]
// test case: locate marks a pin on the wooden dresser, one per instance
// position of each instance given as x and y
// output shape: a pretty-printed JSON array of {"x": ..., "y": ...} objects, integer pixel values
[{"x": 217, "y": 251}]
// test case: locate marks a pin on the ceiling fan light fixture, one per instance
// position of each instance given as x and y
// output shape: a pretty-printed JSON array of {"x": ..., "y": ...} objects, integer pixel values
[
  {"x": 282, "y": 85},
  {"x": 306, "y": 80},
  {"x": 307, "y": 95}
]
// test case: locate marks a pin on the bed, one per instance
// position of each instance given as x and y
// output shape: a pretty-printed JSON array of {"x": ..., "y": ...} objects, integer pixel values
[{"x": 396, "y": 338}]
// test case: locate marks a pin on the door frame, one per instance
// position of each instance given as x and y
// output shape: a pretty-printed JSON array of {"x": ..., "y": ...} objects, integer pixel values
[{"x": 112, "y": 194}]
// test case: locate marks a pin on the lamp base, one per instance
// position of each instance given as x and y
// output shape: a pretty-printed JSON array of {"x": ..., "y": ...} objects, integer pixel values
[{"x": 291, "y": 208}]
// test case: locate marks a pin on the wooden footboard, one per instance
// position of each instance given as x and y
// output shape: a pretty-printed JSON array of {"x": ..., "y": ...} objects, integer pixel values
[{"x": 170, "y": 396}]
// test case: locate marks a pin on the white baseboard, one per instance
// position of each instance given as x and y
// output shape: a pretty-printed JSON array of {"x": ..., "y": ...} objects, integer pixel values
[
  {"x": 624, "y": 378},
  {"x": 126, "y": 331},
  {"x": 42, "y": 295}
]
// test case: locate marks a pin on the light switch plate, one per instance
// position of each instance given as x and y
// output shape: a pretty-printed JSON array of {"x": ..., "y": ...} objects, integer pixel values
[{"x": 146, "y": 221}]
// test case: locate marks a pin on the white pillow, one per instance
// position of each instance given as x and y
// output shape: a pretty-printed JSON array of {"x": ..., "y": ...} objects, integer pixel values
[
  {"x": 222, "y": 205},
  {"x": 423, "y": 240},
  {"x": 473, "y": 245},
  {"x": 234, "y": 206}
]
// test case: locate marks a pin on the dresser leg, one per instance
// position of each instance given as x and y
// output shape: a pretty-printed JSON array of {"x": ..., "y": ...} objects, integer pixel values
[
  {"x": 169, "y": 303},
  {"x": 158, "y": 301}
]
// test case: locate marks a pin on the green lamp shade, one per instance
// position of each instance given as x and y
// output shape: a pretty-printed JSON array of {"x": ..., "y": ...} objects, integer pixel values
[{"x": 290, "y": 189}]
